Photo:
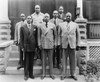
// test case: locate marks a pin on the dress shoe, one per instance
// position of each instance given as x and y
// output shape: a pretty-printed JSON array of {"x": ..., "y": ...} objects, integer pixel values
[
  {"x": 73, "y": 77},
  {"x": 62, "y": 77},
  {"x": 19, "y": 67},
  {"x": 52, "y": 77},
  {"x": 32, "y": 77},
  {"x": 42, "y": 77},
  {"x": 25, "y": 78}
]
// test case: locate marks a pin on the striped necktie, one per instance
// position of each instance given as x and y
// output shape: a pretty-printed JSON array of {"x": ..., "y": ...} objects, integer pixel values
[{"x": 68, "y": 27}]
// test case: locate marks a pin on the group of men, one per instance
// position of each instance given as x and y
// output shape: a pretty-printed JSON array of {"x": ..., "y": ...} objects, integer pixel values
[{"x": 55, "y": 38}]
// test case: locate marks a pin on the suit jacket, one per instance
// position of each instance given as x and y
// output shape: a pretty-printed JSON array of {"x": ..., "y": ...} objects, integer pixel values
[
  {"x": 57, "y": 30},
  {"x": 47, "y": 36},
  {"x": 17, "y": 31},
  {"x": 69, "y": 37},
  {"x": 62, "y": 16},
  {"x": 28, "y": 38}
]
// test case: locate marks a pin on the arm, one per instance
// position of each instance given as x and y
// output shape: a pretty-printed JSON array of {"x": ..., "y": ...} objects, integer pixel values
[
  {"x": 21, "y": 38},
  {"x": 54, "y": 35},
  {"x": 16, "y": 34},
  {"x": 60, "y": 33},
  {"x": 77, "y": 35},
  {"x": 39, "y": 36},
  {"x": 36, "y": 36}
]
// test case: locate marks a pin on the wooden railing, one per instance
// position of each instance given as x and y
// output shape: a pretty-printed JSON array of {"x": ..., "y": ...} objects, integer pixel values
[{"x": 93, "y": 30}]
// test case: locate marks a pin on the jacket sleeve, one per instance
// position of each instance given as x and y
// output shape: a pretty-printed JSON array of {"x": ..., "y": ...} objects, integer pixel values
[
  {"x": 39, "y": 36},
  {"x": 54, "y": 35},
  {"x": 36, "y": 36},
  {"x": 16, "y": 32},
  {"x": 77, "y": 34},
  {"x": 21, "y": 38},
  {"x": 60, "y": 33}
]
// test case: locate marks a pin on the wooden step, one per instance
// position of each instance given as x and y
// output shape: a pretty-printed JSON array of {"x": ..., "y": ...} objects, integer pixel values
[
  {"x": 13, "y": 62},
  {"x": 14, "y": 48},
  {"x": 14, "y": 54},
  {"x": 37, "y": 70}
]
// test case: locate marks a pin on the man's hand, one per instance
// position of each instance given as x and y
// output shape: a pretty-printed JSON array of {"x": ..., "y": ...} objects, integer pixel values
[
  {"x": 40, "y": 47},
  {"x": 23, "y": 49},
  {"x": 77, "y": 47},
  {"x": 59, "y": 46},
  {"x": 16, "y": 42}
]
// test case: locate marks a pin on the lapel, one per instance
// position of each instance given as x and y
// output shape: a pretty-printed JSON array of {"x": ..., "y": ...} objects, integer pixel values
[
  {"x": 65, "y": 28},
  {"x": 70, "y": 25},
  {"x": 46, "y": 29},
  {"x": 32, "y": 30},
  {"x": 26, "y": 30}
]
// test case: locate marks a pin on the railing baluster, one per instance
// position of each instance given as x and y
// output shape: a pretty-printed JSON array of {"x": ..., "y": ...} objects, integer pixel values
[{"x": 94, "y": 30}]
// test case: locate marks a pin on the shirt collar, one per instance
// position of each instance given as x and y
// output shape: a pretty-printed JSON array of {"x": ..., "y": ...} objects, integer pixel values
[
  {"x": 37, "y": 14},
  {"x": 28, "y": 24}
]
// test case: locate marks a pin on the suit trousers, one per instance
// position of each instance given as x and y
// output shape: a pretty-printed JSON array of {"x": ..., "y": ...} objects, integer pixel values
[
  {"x": 71, "y": 53},
  {"x": 56, "y": 56},
  {"x": 28, "y": 63},
  {"x": 20, "y": 56},
  {"x": 47, "y": 53}
]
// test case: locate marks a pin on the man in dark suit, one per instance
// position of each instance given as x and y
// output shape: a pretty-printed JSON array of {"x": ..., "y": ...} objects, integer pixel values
[
  {"x": 56, "y": 56},
  {"x": 28, "y": 37},
  {"x": 61, "y": 13}
]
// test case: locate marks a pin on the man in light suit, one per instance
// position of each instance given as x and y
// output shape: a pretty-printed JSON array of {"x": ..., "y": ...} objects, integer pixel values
[
  {"x": 69, "y": 34},
  {"x": 56, "y": 56},
  {"x": 17, "y": 39},
  {"x": 28, "y": 39},
  {"x": 37, "y": 16},
  {"x": 61, "y": 14},
  {"x": 47, "y": 36}
]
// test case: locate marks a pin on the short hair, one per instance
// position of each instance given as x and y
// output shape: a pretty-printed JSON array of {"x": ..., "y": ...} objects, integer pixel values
[
  {"x": 37, "y": 6},
  {"x": 55, "y": 11},
  {"x": 68, "y": 14},
  {"x": 61, "y": 7},
  {"x": 46, "y": 14},
  {"x": 22, "y": 14},
  {"x": 29, "y": 16}
]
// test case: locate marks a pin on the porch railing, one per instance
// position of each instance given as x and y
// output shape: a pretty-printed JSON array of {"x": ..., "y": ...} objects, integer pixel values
[{"x": 93, "y": 30}]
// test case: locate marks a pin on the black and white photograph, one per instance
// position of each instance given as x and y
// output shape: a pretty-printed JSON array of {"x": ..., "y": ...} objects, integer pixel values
[{"x": 49, "y": 40}]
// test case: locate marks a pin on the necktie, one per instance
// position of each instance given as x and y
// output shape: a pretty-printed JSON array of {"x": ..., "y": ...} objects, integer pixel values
[
  {"x": 68, "y": 27},
  {"x": 46, "y": 24},
  {"x": 29, "y": 27},
  {"x": 55, "y": 21}
]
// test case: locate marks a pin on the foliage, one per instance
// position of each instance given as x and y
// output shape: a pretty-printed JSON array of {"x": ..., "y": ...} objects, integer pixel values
[{"x": 93, "y": 70}]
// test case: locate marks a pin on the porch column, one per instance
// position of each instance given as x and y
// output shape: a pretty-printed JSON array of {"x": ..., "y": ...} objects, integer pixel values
[
  {"x": 80, "y": 5},
  {"x": 4, "y": 21}
]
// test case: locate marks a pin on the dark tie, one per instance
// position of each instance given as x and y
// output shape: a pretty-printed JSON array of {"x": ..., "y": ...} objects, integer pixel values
[
  {"x": 46, "y": 24},
  {"x": 55, "y": 21}
]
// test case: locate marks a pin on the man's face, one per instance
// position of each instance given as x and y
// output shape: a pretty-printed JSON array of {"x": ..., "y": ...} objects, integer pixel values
[
  {"x": 46, "y": 18},
  {"x": 22, "y": 17},
  {"x": 68, "y": 18},
  {"x": 55, "y": 14},
  {"x": 29, "y": 19},
  {"x": 37, "y": 9},
  {"x": 61, "y": 10}
]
